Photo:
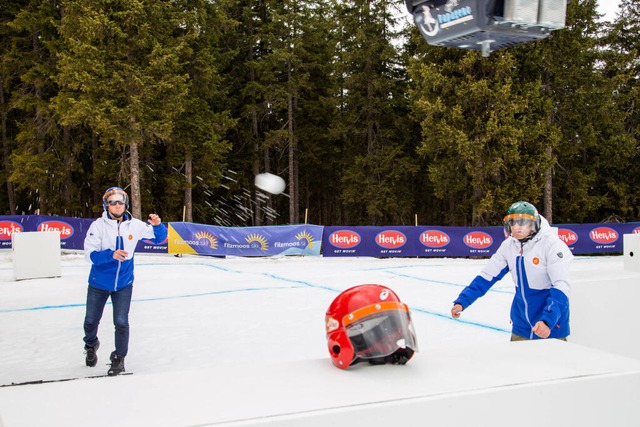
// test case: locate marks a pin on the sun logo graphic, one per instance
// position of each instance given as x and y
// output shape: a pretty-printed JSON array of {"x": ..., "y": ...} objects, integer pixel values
[
  {"x": 213, "y": 240},
  {"x": 305, "y": 235},
  {"x": 256, "y": 240}
]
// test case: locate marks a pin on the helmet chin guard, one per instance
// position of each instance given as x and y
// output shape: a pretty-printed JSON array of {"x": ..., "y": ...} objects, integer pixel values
[{"x": 369, "y": 323}]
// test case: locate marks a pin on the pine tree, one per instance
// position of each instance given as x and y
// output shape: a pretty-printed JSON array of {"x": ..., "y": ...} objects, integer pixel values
[
  {"x": 197, "y": 147},
  {"x": 377, "y": 164},
  {"x": 39, "y": 164},
  {"x": 121, "y": 75},
  {"x": 483, "y": 149},
  {"x": 318, "y": 162},
  {"x": 9, "y": 80},
  {"x": 591, "y": 155},
  {"x": 623, "y": 69}
]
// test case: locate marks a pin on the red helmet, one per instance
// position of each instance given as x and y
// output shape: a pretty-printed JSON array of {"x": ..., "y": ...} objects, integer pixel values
[{"x": 368, "y": 322}]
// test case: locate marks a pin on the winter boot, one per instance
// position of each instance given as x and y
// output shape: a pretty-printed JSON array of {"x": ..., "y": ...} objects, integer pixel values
[
  {"x": 91, "y": 358},
  {"x": 117, "y": 365}
]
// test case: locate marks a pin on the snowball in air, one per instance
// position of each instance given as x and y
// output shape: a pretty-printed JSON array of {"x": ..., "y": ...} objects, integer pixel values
[{"x": 270, "y": 183}]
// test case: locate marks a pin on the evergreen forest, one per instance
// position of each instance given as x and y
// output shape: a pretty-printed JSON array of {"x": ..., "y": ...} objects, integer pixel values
[{"x": 183, "y": 102}]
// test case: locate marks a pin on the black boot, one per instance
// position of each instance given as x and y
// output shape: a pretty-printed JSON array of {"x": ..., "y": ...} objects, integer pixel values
[
  {"x": 117, "y": 365},
  {"x": 91, "y": 358}
]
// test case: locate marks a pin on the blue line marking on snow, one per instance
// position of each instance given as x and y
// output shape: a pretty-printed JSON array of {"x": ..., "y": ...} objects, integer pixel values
[
  {"x": 299, "y": 283},
  {"x": 271, "y": 275},
  {"x": 422, "y": 279},
  {"x": 200, "y": 264},
  {"x": 42, "y": 307},
  {"x": 228, "y": 291},
  {"x": 448, "y": 317},
  {"x": 387, "y": 267}
]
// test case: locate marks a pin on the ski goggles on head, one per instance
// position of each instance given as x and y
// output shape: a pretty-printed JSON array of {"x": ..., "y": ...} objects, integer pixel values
[
  {"x": 116, "y": 198},
  {"x": 519, "y": 219}
]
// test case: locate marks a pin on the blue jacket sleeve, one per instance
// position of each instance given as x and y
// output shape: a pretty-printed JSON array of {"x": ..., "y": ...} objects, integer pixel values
[
  {"x": 160, "y": 233},
  {"x": 557, "y": 303},
  {"x": 102, "y": 257},
  {"x": 477, "y": 288}
]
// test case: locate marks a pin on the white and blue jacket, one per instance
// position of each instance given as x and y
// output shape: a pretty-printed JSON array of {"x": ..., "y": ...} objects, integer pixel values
[
  {"x": 540, "y": 270},
  {"x": 104, "y": 237}
]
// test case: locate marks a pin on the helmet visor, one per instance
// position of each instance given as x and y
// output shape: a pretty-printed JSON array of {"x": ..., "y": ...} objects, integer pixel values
[
  {"x": 378, "y": 332},
  {"x": 521, "y": 220}
]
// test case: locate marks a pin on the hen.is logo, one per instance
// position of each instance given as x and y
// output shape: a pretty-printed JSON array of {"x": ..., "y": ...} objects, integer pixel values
[
  {"x": 7, "y": 228},
  {"x": 65, "y": 229},
  {"x": 478, "y": 240},
  {"x": 603, "y": 235},
  {"x": 434, "y": 238},
  {"x": 344, "y": 239},
  {"x": 570, "y": 237},
  {"x": 391, "y": 239}
]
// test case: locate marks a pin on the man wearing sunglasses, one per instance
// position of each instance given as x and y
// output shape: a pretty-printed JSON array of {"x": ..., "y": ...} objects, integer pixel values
[
  {"x": 539, "y": 265},
  {"x": 109, "y": 246}
]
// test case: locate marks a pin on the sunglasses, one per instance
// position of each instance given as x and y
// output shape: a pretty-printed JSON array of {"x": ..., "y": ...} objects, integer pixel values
[{"x": 115, "y": 202}]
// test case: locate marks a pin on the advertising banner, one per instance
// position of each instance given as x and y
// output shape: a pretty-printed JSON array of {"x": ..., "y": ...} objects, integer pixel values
[
  {"x": 421, "y": 241},
  {"x": 389, "y": 241},
  {"x": 435, "y": 241},
  {"x": 596, "y": 238},
  {"x": 190, "y": 238},
  {"x": 72, "y": 231}
]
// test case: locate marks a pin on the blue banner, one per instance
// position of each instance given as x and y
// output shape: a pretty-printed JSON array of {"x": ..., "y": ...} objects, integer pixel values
[
  {"x": 72, "y": 231},
  {"x": 421, "y": 241},
  {"x": 435, "y": 241},
  {"x": 190, "y": 238},
  {"x": 596, "y": 238},
  {"x": 390, "y": 241}
]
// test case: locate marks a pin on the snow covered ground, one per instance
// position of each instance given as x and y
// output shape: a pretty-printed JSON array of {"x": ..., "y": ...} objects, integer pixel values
[
  {"x": 199, "y": 311},
  {"x": 192, "y": 313}
]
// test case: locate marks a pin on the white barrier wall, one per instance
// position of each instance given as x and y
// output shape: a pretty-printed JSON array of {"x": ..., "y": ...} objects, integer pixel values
[
  {"x": 36, "y": 254},
  {"x": 534, "y": 383},
  {"x": 603, "y": 313},
  {"x": 631, "y": 252}
]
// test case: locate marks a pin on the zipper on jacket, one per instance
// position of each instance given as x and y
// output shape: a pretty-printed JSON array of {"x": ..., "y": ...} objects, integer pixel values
[
  {"x": 119, "y": 245},
  {"x": 521, "y": 275}
]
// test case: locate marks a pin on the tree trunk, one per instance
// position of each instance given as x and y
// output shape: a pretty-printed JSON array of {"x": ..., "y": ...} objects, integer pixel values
[
  {"x": 256, "y": 145},
  {"x": 68, "y": 159},
  {"x": 256, "y": 167},
  {"x": 43, "y": 194},
  {"x": 134, "y": 164},
  {"x": 293, "y": 205},
  {"x": 548, "y": 190},
  {"x": 96, "y": 191},
  {"x": 188, "y": 191},
  {"x": 6, "y": 151}
]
